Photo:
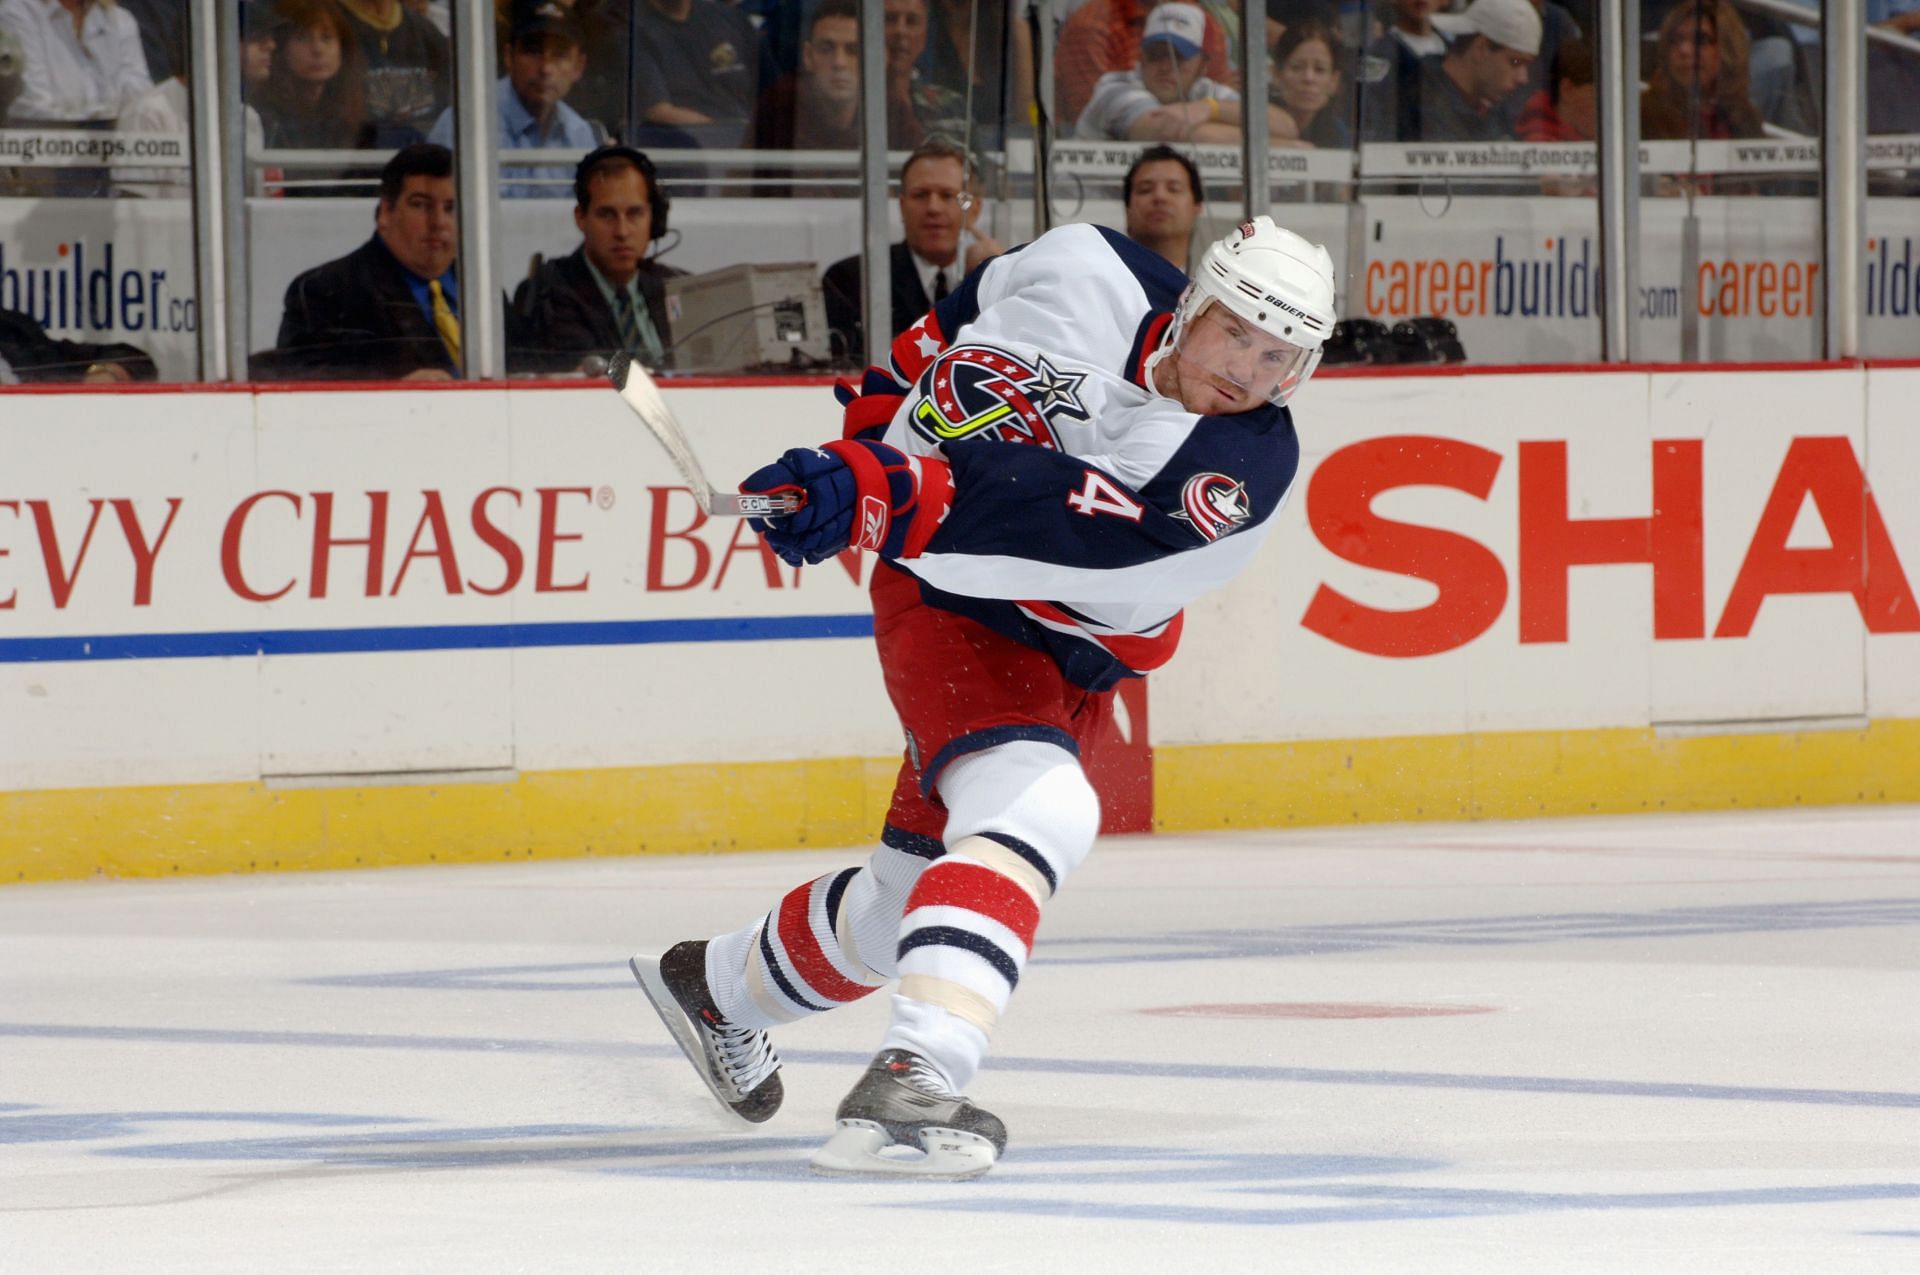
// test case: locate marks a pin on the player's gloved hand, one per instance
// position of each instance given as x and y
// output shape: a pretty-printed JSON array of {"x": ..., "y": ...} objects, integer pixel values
[
  {"x": 818, "y": 529},
  {"x": 868, "y": 409},
  {"x": 860, "y": 493}
]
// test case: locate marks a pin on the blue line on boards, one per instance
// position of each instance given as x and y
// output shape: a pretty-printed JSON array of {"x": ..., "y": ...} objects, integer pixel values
[{"x": 438, "y": 637}]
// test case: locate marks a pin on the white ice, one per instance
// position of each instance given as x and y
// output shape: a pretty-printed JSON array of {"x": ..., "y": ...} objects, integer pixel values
[{"x": 1647, "y": 1044}]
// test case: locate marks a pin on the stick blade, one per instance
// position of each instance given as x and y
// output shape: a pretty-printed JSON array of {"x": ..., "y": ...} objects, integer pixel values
[{"x": 642, "y": 396}]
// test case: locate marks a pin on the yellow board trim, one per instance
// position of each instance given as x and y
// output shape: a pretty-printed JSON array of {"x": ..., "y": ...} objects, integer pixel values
[
  {"x": 64, "y": 834},
  {"x": 1524, "y": 774}
]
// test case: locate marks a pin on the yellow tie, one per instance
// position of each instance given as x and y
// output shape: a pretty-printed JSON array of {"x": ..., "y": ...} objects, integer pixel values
[{"x": 444, "y": 320}]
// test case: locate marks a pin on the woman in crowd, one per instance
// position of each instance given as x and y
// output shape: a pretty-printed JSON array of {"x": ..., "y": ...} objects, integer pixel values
[
  {"x": 315, "y": 99},
  {"x": 1699, "y": 83},
  {"x": 1306, "y": 85}
]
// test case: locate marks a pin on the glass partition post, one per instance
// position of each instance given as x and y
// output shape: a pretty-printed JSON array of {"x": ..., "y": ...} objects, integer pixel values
[
  {"x": 211, "y": 27},
  {"x": 1255, "y": 135},
  {"x": 1843, "y": 150},
  {"x": 1619, "y": 159},
  {"x": 876, "y": 293},
  {"x": 476, "y": 172}
]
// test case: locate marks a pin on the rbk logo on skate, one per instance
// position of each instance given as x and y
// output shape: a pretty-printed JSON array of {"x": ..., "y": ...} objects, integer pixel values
[
  {"x": 977, "y": 391},
  {"x": 1214, "y": 505}
]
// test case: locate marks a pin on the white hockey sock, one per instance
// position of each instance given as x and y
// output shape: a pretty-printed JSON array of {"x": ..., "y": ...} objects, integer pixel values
[
  {"x": 795, "y": 960},
  {"x": 950, "y": 1043}
]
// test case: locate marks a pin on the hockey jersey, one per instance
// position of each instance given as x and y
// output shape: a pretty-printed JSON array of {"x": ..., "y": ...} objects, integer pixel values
[{"x": 1087, "y": 510}]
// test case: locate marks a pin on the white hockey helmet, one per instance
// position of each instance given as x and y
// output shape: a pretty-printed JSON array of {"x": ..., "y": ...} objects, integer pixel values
[{"x": 1276, "y": 281}]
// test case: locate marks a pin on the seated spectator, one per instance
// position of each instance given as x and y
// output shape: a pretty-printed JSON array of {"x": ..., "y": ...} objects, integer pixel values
[
  {"x": 1557, "y": 26},
  {"x": 917, "y": 107},
  {"x": 1567, "y": 112},
  {"x": 29, "y": 356},
  {"x": 390, "y": 309},
  {"x": 1698, "y": 81},
  {"x": 315, "y": 98},
  {"x": 1164, "y": 199},
  {"x": 601, "y": 96},
  {"x": 1166, "y": 97},
  {"x": 697, "y": 70},
  {"x": 1103, "y": 36},
  {"x": 1306, "y": 85},
  {"x": 1405, "y": 45},
  {"x": 409, "y": 67},
  {"x": 974, "y": 50},
  {"x": 81, "y": 60},
  {"x": 545, "y": 59},
  {"x": 261, "y": 29},
  {"x": 1777, "y": 81},
  {"x": 937, "y": 209},
  {"x": 606, "y": 295},
  {"x": 1493, "y": 47},
  {"x": 818, "y": 108}
]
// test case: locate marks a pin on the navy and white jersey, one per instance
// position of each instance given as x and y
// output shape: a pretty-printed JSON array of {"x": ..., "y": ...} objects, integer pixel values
[{"x": 1087, "y": 510}]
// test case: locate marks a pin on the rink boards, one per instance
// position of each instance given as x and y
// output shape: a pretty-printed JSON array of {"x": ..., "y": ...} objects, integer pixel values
[{"x": 313, "y": 629}]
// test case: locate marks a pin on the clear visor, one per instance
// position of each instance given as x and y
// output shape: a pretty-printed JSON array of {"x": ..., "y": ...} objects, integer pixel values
[{"x": 1239, "y": 359}]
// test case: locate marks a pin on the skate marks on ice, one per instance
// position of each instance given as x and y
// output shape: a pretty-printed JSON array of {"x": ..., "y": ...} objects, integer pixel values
[
  {"x": 1142, "y": 1069},
  {"x": 348, "y": 1141},
  {"x": 1121, "y": 1183},
  {"x": 1483, "y": 932},
  {"x": 1284, "y": 941}
]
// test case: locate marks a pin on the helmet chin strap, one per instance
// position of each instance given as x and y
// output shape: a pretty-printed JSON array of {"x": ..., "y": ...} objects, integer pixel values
[{"x": 1168, "y": 341}]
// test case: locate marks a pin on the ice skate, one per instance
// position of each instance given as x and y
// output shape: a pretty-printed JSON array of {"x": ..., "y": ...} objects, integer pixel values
[
  {"x": 738, "y": 1063},
  {"x": 901, "y": 1120}
]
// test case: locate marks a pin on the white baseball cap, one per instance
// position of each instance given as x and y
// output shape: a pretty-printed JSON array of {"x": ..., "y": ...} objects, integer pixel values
[
  {"x": 1511, "y": 24},
  {"x": 1183, "y": 26}
]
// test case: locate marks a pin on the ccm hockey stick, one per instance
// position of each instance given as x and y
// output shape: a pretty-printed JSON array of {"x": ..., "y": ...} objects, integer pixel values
[{"x": 639, "y": 392}]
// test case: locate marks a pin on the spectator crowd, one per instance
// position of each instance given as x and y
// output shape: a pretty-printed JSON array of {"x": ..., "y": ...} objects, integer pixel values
[{"x": 617, "y": 79}]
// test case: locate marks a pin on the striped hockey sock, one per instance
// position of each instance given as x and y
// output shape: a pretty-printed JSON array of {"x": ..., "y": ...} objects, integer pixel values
[
  {"x": 793, "y": 962},
  {"x": 969, "y": 927}
]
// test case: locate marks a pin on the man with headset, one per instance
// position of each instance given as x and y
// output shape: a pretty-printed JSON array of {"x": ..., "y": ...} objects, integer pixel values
[{"x": 605, "y": 295}]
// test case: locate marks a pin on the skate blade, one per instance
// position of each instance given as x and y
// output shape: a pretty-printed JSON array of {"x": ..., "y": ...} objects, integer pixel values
[
  {"x": 647, "y": 970},
  {"x": 855, "y": 1149}
]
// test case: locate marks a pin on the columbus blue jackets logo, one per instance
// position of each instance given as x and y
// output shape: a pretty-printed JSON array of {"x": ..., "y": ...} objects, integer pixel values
[
  {"x": 977, "y": 391},
  {"x": 1214, "y": 504}
]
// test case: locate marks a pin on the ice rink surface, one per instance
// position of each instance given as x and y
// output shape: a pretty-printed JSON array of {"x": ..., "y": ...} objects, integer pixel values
[{"x": 1686, "y": 1043}]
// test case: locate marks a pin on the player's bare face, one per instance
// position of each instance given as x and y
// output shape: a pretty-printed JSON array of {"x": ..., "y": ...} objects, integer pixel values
[
  {"x": 930, "y": 208},
  {"x": 617, "y": 223},
  {"x": 1225, "y": 365}
]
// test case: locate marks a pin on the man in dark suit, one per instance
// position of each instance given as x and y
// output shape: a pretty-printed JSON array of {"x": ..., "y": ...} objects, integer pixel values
[
  {"x": 937, "y": 209},
  {"x": 572, "y": 314},
  {"x": 390, "y": 309},
  {"x": 29, "y": 356}
]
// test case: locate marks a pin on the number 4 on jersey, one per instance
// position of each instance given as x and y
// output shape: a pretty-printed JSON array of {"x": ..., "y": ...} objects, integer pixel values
[{"x": 1101, "y": 495}]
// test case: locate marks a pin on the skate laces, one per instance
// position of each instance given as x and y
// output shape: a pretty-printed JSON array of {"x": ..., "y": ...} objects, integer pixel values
[
  {"x": 745, "y": 1055},
  {"x": 922, "y": 1075}
]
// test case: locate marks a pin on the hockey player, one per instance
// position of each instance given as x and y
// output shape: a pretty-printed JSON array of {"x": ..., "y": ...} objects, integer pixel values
[{"x": 1061, "y": 455}]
